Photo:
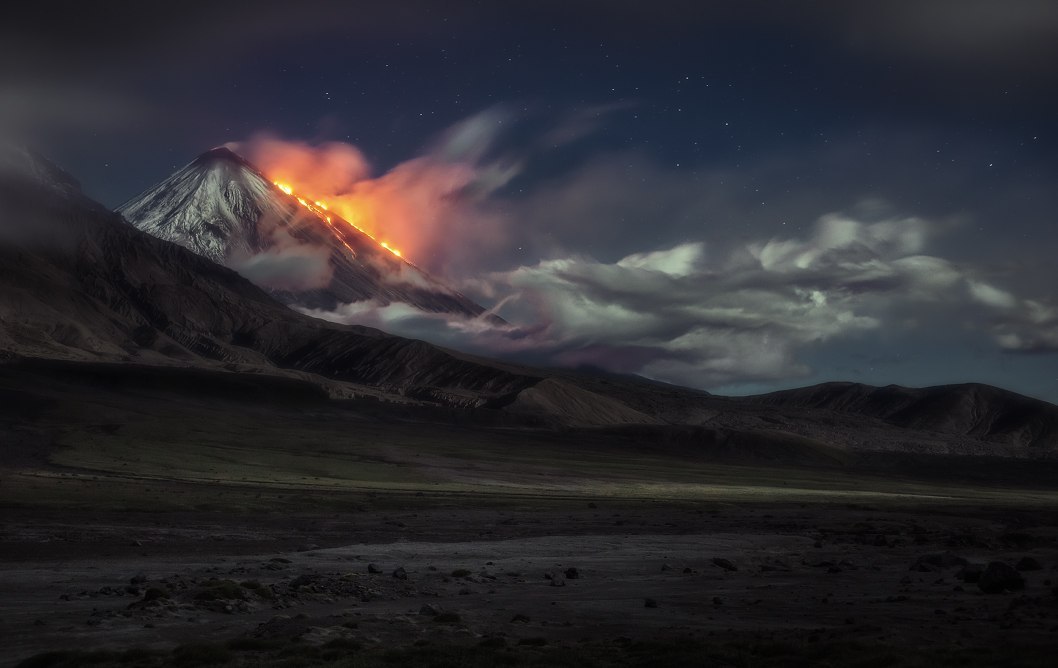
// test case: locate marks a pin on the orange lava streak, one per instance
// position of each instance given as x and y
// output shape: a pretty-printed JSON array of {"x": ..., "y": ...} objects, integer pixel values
[{"x": 317, "y": 207}]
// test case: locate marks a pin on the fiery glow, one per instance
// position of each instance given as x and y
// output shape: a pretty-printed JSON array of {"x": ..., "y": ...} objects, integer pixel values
[
  {"x": 435, "y": 207},
  {"x": 351, "y": 216}
]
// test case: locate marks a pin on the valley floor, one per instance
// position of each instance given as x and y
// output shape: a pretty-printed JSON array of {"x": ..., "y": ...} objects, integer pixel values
[
  {"x": 147, "y": 528},
  {"x": 744, "y": 584}
]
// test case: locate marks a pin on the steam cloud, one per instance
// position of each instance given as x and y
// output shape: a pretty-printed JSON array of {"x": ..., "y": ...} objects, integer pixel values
[{"x": 432, "y": 208}]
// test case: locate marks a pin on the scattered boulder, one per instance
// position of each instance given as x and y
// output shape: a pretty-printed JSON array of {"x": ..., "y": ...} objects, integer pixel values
[
  {"x": 970, "y": 573},
  {"x": 429, "y": 610},
  {"x": 649, "y": 603},
  {"x": 999, "y": 577},
  {"x": 303, "y": 580},
  {"x": 138, "y": 579},
  {"x": 1018, "y": 538},
  {"x": 572, "y": 573},
  {"x": 1028, "y": 564},
  {"x": 373, "y": 569},
  {"x": 400, "y": 573},
  {"x": 520, "y": 619},
  {"x": 557, "y": 579},
  {"x": 725, "y": 564},
  {"x": 940, "y": 561},
  {"x": 154, "y": 594}
]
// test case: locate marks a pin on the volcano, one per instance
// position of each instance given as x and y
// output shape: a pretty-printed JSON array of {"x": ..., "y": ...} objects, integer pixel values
[{"x": 222, "y": 207}]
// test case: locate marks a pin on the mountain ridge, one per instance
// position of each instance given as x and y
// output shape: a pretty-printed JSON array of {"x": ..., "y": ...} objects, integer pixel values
[{"x": 86, "y": 287}]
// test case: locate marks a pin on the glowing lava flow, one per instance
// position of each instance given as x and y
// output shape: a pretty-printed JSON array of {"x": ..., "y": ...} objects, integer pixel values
[{"x": 320, "y": 209}]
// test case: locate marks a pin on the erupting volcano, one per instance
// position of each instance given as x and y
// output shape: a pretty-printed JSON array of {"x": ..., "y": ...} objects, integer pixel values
[{"x": 222, "y": 207}]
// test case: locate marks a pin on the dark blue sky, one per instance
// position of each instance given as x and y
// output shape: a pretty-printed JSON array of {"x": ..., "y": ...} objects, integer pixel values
[{"x": 638, "y": 128}]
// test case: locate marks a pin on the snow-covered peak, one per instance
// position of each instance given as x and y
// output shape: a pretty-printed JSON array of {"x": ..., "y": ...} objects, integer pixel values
[
  {"x": 211, "y": 206},
  {"x": 221, "y": 206}
]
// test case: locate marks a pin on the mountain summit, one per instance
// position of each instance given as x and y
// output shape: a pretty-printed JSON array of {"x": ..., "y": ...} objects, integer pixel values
[{"x": 222, "y": 207}]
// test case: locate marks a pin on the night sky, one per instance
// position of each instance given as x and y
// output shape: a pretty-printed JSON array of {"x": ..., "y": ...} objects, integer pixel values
[{"x": 742, "y": 197}]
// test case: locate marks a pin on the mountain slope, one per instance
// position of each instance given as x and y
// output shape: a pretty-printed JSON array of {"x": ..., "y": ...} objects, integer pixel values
[
  {"x": 78, "y": 283},
  {"x": 220, "y": 206}
]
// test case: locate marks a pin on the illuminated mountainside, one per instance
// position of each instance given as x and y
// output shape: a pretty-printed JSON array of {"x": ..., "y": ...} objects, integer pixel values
[{"x": 220, "y": 206}]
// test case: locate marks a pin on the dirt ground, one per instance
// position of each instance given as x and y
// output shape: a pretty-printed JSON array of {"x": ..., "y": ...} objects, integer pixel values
[
  {"x": 151, "y": 528},
  {"x": 892, "y": 581}
]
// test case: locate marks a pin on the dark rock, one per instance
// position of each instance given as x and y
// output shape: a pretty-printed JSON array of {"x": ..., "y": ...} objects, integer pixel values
[
  {"x": 400, "y": 573},
  {"x": 1018, "y": 538},
  {"x": 429, "y": 610},
  {"x": 717, "y": 600},
  {"x": 520, "y": 619},
  {"x": 154, "y": 594},
  {"x": 1028, "y": 564},
  {"x": 649, "y": 603},
  {"x": 999, "y": 577},
  {"x": 138, "y": 579},
  {"x": 928, "y": 563},
  {"x": 303, "y": 580},
  {"x": 725, "y": 564},
  {"x": 970, "y": 573},
  {"x": 572, "y": 574},
  {"x": 372, "y": 568}
]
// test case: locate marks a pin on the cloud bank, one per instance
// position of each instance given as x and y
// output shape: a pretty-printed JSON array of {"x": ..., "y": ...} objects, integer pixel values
[
  {"x": 746, "y": 313},
  {"x": 601, "y": 290}
]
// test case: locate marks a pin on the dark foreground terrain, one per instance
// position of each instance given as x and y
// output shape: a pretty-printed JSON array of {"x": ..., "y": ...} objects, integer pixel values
[{"x": 191, "y": 520}]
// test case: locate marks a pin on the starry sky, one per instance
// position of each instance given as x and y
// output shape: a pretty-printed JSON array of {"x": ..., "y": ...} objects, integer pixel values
[{"x": 735, "y": 196}]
